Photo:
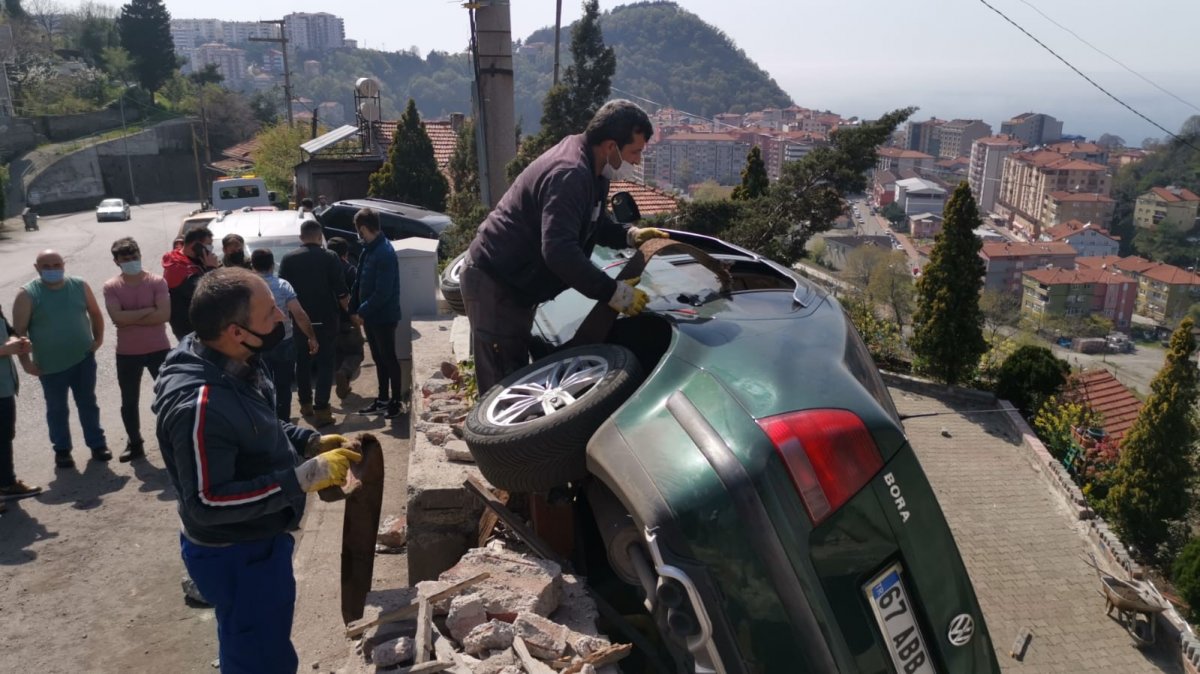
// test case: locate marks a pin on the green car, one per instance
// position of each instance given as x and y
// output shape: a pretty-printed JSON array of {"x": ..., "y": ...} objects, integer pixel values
[{"x": 746, "y": 472}]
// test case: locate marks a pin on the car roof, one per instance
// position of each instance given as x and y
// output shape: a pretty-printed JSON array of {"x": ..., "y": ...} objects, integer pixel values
[
  {"x": 399, "y": 208},
  {"x": 258, "y": 224}
]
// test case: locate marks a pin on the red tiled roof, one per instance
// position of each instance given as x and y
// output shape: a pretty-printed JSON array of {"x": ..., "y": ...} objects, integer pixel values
[
  {"x": 1050, "y": 159},
  {"x": 1070, "y": 146},
  {"x": 1101, "y": 391},
  {"x": 650, "y": 200},
  {"x": 1081, "y": 197},
  {"x": 1065, "y": 229},
  {"x": 1172, "y": 197},
  {"x": 444, "y": 139},
  {"x": 1018, "y": 249},
  {"x": 1000, "y": 140},
  {"x": 897, "y": 153},
  {"x": 1172, "y": 275},
  {"x": 242, "y": 150},
  {"x": 1052, "y": 277},
  {"x": 1131, "y": 264}
]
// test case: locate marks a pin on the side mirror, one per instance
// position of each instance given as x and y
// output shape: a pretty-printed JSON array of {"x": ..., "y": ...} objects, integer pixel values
[
  {"x": 272, "y": 197},
  {"x": 624, "y": 208}
]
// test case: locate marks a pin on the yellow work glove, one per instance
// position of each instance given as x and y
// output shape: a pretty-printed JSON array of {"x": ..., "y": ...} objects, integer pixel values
[
  {"x": 636, "y": 236},
  {"x": 628, "y": 298},
  {"x": 324, "y": 443},
  {"x": 326, "y": 470}
]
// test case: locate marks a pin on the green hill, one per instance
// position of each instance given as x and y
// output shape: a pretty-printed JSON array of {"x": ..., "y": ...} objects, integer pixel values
[{"x": 664, "y": 53}]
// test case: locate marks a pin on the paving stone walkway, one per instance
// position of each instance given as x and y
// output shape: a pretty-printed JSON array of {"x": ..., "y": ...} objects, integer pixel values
[{"x": 1022, "y": 548}]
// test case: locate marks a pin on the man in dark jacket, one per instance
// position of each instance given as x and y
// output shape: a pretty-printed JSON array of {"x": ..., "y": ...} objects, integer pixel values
[
  {"x": 538, "y": 240},
  {"x": 237, "y": 469},
  {"x": 376, "y": 308},
  {"x": 350, "y": 341},
  {"x": 182, "y": 269},
  {"x": 320, "y": 283}
]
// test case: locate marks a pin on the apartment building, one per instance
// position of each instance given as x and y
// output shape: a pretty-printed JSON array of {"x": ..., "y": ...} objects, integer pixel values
[
  {"x": 896, "y": 160},
  {"x": 1077, "y": 149},
  {"x": 230, "y": 62},
  {"x": 191, "y": 33},
  {"x": 924, "y": 225},
  {"x": 1033, "y": 128},
  {"x": 1165, "y": 292},
  {"x": 1005, "y": 262},
  {"x": 686, "y": 158},
  {"x": 922, "y": 136},
  {"x": 1174, "y": 206},
  {"x": 986, "y": 168},
  {"x": 318, "y": 31},
  {"x": 1087, "y": 239},
  {"x": 1079, "y": 293},
  {"x": 1029, "y": 176},
  {"x": 1060, "y": 207},
  {"x": 918, "y": 195},
  {"x": 956, "y": 137}
]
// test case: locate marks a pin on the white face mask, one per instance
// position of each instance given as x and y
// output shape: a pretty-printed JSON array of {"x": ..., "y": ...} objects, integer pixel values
[{"x": 624, "y": 170}]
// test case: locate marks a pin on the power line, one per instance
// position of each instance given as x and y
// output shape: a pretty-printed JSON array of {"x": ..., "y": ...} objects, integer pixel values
[
  {"x": 1110, "y": 57},
  {"x": 1089, "y": 80}
]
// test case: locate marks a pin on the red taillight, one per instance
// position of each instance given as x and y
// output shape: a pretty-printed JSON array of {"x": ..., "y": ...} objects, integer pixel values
[{"x": 829, "y": 455}]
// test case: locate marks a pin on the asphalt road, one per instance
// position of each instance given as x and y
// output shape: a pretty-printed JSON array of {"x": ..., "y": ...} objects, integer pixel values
[{"x": 90, "y": 570}]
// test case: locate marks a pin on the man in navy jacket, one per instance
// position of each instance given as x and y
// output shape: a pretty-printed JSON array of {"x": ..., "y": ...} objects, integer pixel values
[
  {"x": 238, "y": 470},
  {"x": 375, "y": 306},
  {"x": 538, "y": 240}
]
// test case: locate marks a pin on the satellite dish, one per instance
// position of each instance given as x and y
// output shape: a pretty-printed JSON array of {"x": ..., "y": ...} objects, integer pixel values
[
  {"x": 366, "y": 86},
  {"x": 369, "y": 110}
]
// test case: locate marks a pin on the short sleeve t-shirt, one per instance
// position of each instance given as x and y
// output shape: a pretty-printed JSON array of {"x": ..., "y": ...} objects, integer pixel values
[
  {"x": 283, "y": 293},
  {"x": 138, "y": 340}
]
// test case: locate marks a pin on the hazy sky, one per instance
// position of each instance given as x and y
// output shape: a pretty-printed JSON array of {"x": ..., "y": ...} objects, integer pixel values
[{"x": 953, "y": 58}]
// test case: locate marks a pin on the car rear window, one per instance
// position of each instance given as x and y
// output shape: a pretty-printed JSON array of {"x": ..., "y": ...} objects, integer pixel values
[{"x": 858, "y": 361}]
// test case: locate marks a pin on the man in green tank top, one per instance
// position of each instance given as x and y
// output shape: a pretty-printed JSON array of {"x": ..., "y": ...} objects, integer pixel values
[{"x": 61, "y": 317}]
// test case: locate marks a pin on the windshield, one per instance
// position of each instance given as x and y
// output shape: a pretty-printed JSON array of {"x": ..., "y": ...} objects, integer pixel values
[{"x": 108, "y": 203}]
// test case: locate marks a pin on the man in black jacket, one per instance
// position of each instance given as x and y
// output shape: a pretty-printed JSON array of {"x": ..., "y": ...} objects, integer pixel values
[
  {"x": 317, "y": 276},
  {"x": 538, "y": 240},
  {"x": 237, "y": 470}
]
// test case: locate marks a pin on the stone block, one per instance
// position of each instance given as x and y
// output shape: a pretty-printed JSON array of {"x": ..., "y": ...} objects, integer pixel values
[
  {"x": 489, "y": 636},
  {"x": 457, "y": 450},
  {"x": 545, "y": 638},
  {"x": 392, "y": 653},
  {"x": 466, "y": 613},
  {"x": 518, "y": 582},
  {"x": 393, "y": 532}
]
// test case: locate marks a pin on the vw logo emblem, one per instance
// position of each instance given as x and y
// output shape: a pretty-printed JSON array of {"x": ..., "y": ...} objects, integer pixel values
[{"x": 962, "y": 628}]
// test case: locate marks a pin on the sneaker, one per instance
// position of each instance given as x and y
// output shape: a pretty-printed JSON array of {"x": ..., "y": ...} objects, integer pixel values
[
  {"x": 101, "y": 454},
  {"x": 341, "y": 385},
  {"x": 132, "y": 451},
  {"x": 63, "y": 460},
  {"x": 323, "y": 417},
  {"x": 377, "y": 407},
  {"x": 306, "y": 410},
  {"x": 395, "y": 409},
  {"x": 18, "y": 490}
]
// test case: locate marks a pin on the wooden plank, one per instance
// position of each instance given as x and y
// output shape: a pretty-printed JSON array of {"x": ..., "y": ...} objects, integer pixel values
[
  {"x": 602, "y": 657},
  {"x": 532, "y": 665},
  {"x": 424, "y": 640},
  {"x": 487, "y": 523},
  {"x": 360, "y": 525},
  {"x": 513, "y": 522},
  {"x": 410, "y": 611},
  {"x": 444, "y": 651}
]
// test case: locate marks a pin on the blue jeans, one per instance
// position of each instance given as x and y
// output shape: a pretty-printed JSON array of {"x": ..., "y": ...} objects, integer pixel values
[
  {"x": 253, "y": 589},
  {"x": 80, "y": 380},
  {"x": 282, "y": 362}
]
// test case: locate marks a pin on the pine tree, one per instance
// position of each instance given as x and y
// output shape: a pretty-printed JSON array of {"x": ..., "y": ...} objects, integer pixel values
[
  {"x": 411, "y": 173},
  {"x": 586, "y": 85},
  {"x": 948, "y": 326},
  {"x": 755, "y": 182},
  {"x": 1154, "y": 475},
  {"x": 145, "y": 28}
]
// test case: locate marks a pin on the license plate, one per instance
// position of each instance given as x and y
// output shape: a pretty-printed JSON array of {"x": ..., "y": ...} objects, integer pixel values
[{"x": 894, "y": 612}]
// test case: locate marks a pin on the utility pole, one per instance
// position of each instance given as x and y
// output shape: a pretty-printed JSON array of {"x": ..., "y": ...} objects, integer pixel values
[
  {"x": 282, "y": 41},
  {"x": 494, "y": 86},
  {"x": 199, "y": 169},
  {"x": 557, "y": 29},
  {"x": 125, "y": 143}
]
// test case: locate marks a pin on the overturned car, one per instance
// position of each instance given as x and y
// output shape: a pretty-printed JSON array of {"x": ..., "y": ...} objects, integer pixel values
[{"x": 741, "y": 471}]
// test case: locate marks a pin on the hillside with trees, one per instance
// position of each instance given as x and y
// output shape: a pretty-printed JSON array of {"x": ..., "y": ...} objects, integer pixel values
[{"x": 664, "y": 53}]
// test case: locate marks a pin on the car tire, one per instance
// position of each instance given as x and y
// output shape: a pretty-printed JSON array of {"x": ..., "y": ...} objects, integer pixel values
[
  {"x": 450, "y": 283},
  {"x": 539, "y": 451}
]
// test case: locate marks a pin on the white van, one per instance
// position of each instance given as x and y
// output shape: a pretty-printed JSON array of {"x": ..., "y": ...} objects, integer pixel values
[
  {"x": 230, "y": 194},
  {"x": 276, "y": 230}
]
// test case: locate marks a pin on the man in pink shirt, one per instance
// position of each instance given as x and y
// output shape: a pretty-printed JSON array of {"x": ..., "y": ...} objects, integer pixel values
[{"x": 140, "y": 306}]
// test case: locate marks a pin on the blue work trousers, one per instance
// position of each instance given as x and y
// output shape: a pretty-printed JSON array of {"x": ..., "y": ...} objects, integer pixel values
[{"x": 252, "y": 587}]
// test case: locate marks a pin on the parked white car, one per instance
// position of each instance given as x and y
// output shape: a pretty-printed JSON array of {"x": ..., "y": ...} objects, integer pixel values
[{"x": 112, "y": 209}]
